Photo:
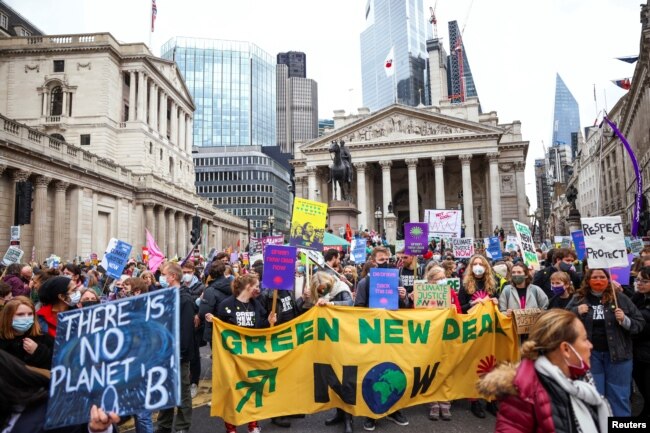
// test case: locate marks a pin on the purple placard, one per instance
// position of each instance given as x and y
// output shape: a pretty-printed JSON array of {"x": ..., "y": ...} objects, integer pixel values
[
  {"x": 621, "y": 275},
  {"x": 579, "y": 242},
  {"x": 279, "y": 267},
  {"x": 234, "y": 257},
  {"x": 416, "y": 240},
  {"x": 382, "y": 290}
]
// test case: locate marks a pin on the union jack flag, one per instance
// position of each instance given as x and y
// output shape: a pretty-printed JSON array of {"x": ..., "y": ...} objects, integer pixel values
[{"x": 154, "y": 12}]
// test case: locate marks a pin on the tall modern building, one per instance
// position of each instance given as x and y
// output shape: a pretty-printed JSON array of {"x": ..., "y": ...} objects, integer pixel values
[
  {"x": 566, "y": 118},
  {"x": 403, "y": 27},
  {"x": 233, "y": 85},
  {"x": 296, "y": 61},
  {"x": 297, "y": 109},
  {"x": 543, "y": 195},
  {"x": 461, "y": 82}
]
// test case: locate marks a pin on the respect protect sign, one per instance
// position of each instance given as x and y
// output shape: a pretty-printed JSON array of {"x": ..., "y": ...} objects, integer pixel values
[{"x": 604, "y": 242}]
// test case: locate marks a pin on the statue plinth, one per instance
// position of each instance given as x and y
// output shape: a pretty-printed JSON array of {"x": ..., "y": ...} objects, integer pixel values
[
  {"x": 573, "y": 220},
  {"x": 390, "y": 226},
  {"x": 341, "y": 213}
]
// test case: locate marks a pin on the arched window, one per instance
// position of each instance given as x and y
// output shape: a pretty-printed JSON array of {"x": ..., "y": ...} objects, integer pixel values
[{"x": 56, "y": 101}]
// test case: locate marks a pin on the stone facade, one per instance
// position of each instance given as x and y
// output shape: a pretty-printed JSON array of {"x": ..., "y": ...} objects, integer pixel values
[
  {"x": 102, "y": 129},
  {"x": 446, "y": 157}
]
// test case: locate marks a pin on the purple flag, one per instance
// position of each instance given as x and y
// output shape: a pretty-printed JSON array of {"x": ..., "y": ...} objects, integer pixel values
[
  {"x": 279, "y": 267},
  {"x": 416, "y": 238},
  {"x": 621, "y": 275}
]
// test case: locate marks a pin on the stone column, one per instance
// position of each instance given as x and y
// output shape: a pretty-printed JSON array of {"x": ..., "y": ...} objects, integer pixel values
[
  {"x": 361, "y": 195},
  {"x": 495, "y": 196},
  {"x": 173, "y": 118},
  {"x": 142, "y": 97},
  {"x": 311, "y": 182},
  {"x": 16, "y": 176},
  {"x": 181, "y": 129},
  {"x": 188, "y": 135},
  {"x": 64, "y": 108},
  {"x": 46, "y": 100},
  {"x": 181, "y": 241},
  {"x": 521, "y": 191},
  {"x": 40, "y": 218},
  {"x": 438, "y": 163},
  {"x": 153, "y": 121},
  {"x": 152, "y": 95},
  {"x": 162, "y": 112},
  {"x": 149, "y": 220},
  {"x": 219, "y": 243},
  {"x": 59, "y": 246},
  {"x": 188, "y": 230},
  {"x": 161, "y": 235},
  {"x": 468, "y": 202},
  {"x": 171, "y": 233},
  {"x": 132, "y": 96},
  {"x": 386, "y": 184},
  {"x": 412, "y": 164}
]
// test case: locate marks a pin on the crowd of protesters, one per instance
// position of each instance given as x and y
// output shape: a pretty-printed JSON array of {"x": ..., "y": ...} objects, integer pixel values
[{"x": 580, "y": 360}]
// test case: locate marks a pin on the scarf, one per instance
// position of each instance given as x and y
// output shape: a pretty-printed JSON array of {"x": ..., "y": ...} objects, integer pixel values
[
  {"x": 581, "y": 394},
  {"x": 339, "y": 286}
]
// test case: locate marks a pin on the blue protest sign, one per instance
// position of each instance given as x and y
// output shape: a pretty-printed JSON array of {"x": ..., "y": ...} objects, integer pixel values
[
  {"x": 494, "y": 248},
  {"x": 359, "y": 250},
  {"x": 382, "y": 290},
  {"x": 279, "y": 267},
  {"x": 579, "y": 242},
  {"x": 115, "y": 257},
  {"x": 122, "y": 356}
]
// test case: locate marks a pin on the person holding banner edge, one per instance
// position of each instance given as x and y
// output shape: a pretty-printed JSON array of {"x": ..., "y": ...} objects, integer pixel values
[
  {"x": 610, "y": 319},
  {"x": 641, "y": 341}
]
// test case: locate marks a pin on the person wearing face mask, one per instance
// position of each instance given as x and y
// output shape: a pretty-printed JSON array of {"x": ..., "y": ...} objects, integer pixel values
[
  {"x": 57, "y": 295},
  {"x": 611, "y": 319},
  {"x": 641, "y": 341},
  {"x": 74, "y": 272},
  {"x": 195, "y": 288},
  {"x": 21, "y": 335},
  {"x": 562, "y": 259},
  {"x": 551, "y": 389},
  {"x": 520, "y": 293},
  {"x": 88, "y": 298},
  {"x": 562, "y": 289}
]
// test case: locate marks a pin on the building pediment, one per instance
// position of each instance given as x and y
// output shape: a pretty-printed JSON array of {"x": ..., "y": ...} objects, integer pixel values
[
  {"x": 399, "y": 123},
  {"x": 172, "y": 75}
]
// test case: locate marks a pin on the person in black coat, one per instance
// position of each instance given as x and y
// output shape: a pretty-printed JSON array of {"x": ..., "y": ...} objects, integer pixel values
[
  {"x": 195, "y": 288},
  {"x": 641, "y": 341},
  {"x": 216, "y": 292}
]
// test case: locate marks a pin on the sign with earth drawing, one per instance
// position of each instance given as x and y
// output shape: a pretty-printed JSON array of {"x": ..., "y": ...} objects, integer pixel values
[{"x": 368, "y": 362}]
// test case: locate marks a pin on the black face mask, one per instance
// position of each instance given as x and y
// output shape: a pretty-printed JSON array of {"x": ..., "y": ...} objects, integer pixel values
[
  {"x": 384, "y": 265},
  {"x": 349, "y": 277},
  {"x": 85, "y": 304}
]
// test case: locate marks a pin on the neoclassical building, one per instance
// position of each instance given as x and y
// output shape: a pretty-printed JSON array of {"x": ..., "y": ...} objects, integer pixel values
[
  {"x": 448, "y": 156},
  {"x": 103, "y": 131}
]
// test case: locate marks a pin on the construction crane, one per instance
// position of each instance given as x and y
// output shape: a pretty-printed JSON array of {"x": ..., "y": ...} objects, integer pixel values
[{"x": 433, "y": 20}]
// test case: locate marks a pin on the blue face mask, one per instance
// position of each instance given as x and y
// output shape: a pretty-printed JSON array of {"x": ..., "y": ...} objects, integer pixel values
[
  {"x": 301, "y": 269},
  {"x": 22, "y": 324},
  {"x": 163, "y": 282}
]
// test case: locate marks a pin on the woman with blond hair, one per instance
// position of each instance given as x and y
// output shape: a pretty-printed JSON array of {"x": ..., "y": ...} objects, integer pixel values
[
  {"x": 325, "y": 289},
  {"x": 21, "y": 335},
  {"x": 551, "y": 389},
  {"x": 562, "y": 289},
  {"x": 611, "y": 319}
]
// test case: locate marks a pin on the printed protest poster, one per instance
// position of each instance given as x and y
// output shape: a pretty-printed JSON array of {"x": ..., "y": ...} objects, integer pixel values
[
  {"x": 308, "y": 224},
  {"x": 453, "y": 283},
  {"x": 427, "y": 295},
  {"x": 234, "y": 257},
  {"x": 279, "y": 267},
  {"x": 115, "y": 257},
  {"x": 494, "y": 248},
  {"x": 122, "y": 356},
  {"x": 636, "y": 246},
  {"x": 359, "y": 250},
  {"x": 416, "y": 240},
  {"x": 13, "y": 255},
  {"x": 511, "y": 243},
  {"x": 443, "y": 223},
  {"x": 382, "y": 291},
  {"x": 527, "y": 245},
  {"x": 566, "y": 242},
  {"x": 463, "y": 248},
  {"x": 604, "y": 242},
  {"x": 579, "y": 242}
]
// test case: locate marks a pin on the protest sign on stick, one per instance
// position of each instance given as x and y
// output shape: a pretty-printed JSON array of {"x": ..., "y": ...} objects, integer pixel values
[
  {"x": 12, "y": 255},
  {"x": 382, "y": 291},
  {"x": 525, "y": 319},
  {"x": 443, "y": 223},
  {"x": 122, "y": 356},
  {"x": 115, "y": 257},
  {"x": 604, "y": 242},
  {"x": 579, "y": 242},
  {"x": 427, "y": 295},
  {"x": 358, "y": 251},
  {"x": 494, "y": 248},
  {"x": 527, "y": 245},
  {"x": 416, "y": 241},
  {"x": 463, "y": 248},
  {"x": 279, "y": 267},
  {"x": 308, "y": 224},
  {"x": 511, "y": 243}
]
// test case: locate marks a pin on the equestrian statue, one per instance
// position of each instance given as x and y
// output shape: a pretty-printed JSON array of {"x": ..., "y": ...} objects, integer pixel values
[{"x": 341, "y": 170}]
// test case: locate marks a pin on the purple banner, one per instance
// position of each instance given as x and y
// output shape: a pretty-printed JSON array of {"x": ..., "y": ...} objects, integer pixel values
[
  {"x": 382, "y": 290},
  {"x": 279, "y": 267},
  {"x": 621, "y": 275},
  {"x": 639, "y": 181},
  {"x": 416, "y": 240}
]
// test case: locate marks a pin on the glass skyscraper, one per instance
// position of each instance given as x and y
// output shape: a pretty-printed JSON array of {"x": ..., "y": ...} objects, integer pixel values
[
  {"x": 566, "y": 118},
  {"x": 233, "y": 86},
  {"x": 403, "y": 26}
]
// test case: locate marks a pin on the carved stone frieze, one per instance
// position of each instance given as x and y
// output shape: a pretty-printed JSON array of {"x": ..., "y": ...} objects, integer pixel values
[{"x": 400, "y": 125}]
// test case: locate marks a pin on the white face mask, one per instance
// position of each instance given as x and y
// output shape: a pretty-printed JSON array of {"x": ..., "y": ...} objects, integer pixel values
[
  {"x": 478, "y": 270},
  {"x": 187, "y": 278}
]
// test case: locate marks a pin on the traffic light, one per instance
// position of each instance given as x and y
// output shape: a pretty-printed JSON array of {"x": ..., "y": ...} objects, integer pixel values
[
  {"x": 196, "y": 230},
  {"x": 23, "y": 203}
]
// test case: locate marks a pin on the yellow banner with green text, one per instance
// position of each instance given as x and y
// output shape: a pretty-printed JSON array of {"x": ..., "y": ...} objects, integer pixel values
[{"x": 369, "y": 362}]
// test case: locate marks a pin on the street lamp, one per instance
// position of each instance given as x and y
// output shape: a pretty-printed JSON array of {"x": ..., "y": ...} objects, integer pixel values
[
  {"x": 378, "y": 216},
  {"x": 271, "y": 222}
]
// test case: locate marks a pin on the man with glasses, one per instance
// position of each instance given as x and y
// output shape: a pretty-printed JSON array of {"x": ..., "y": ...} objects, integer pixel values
[{"x": 170, "y": 277}]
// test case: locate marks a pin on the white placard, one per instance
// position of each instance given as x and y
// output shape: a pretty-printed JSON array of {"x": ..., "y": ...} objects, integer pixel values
[
  {"x": 13, "y": 255},
  {"x": 604, "y": 242},
  {"x": 511, "y": 243},
  {"x": 463, "y": 248},
  {"x": 15, "y": 233},
  {"x": 525, "y": 238},
  {"x": 443, "y": 223}
]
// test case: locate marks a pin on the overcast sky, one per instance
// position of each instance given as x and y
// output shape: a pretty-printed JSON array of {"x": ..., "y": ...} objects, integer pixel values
[{"x": 514, "y": 47}]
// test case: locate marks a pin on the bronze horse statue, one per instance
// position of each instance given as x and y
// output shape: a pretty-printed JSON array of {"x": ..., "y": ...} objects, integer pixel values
[{"x": 341, "y": 170}]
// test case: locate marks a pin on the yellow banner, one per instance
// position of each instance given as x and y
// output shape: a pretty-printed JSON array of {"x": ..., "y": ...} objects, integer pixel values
[
  {"x": 308, "y": 224},
  {"x": 369, "y": 362}
]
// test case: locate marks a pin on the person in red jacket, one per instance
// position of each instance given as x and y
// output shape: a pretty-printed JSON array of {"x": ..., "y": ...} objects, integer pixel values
[
  {"x": 551, "y": 390},
  {"x": 57, "y": 295}
]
